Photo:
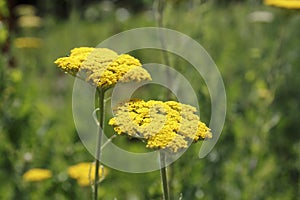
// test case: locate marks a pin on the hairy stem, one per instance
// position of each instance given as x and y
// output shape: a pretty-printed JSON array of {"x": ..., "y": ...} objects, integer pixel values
[
  {"x": 163, "y": 173},
  {"x": 100, "y": 92}
]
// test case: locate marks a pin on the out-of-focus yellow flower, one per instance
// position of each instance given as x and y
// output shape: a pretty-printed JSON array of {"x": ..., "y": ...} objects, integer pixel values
[
  {"x": 265, "y": 94},
  {"x": 16, "y": 75},
  {"x": 163, "y": 125},
  {"x": 84, "y": 173},
  {"x": 289, "y": 4},
  {"x": 3, "y": 9},
  {"x": 29, "y": 21},
  {"x": 24, "y": 9},
  {"x": 37, "y": 174},
  {"x": 103, "y": 67},
  {"x": 27, "y": 42},
  {"x": 3, "y": 33}
]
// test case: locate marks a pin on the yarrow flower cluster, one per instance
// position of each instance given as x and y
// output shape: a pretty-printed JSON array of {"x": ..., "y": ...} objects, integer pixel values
[
  {"x": 103, "y": 67},
  {"x": 37, "y": 174},
  {"x": 289, "y": 4},
  {"x": 163, "y": 125},
  {"x": 84, "y": 173}
]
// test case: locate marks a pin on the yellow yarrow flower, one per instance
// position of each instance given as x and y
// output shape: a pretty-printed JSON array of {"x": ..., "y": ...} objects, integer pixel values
[
  {"x": 163, "y": 125},
  {"x": 27, "y": 42},
  {"x": 29, "y": 21},
  {"x": 37, "y": 174},
  {"x": 72, "y": 63},
  {"x": 84, "y": 173},
  {"x": 107, "y": 72},
  {"x": 289, "y": 4},
  {"x": 103, "y": 67}
]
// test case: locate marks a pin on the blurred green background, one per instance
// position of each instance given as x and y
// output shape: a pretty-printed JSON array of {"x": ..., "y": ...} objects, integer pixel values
[{"x": 256, "y": 48}]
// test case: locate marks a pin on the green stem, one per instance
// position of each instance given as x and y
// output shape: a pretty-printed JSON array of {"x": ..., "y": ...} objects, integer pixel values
[
  {"x": 160, "y": 22},
  {"x": 277, "y": 65},
  {"x": 100, "y": 92},
  {"x": 163, "y": 173},
  {"x": 166, "y": 60}
]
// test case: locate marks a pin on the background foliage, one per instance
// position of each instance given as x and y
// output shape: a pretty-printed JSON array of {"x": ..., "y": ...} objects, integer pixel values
[{"x": 257, "y": 155}]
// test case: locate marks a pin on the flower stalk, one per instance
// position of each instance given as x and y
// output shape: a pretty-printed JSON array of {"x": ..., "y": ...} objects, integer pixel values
[
  {"x": 165, "y": 58},
  {"x": 100, "y": 92},
  {"x": 163, "y": 174},
  {"x": 181, "y": 125}
]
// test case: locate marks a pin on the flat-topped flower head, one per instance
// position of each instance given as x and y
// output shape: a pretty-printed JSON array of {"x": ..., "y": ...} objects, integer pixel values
[
  {"x": 288, "y": 4},
  {"x": 162, "y": 125},
  {"x": 107, "y": 72},
  {"x": 37, "y": 174},
  {"x": 84, "y": 173},
  {"x": 71, "y": 64},
  {"x": 103, "y": 67}
]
